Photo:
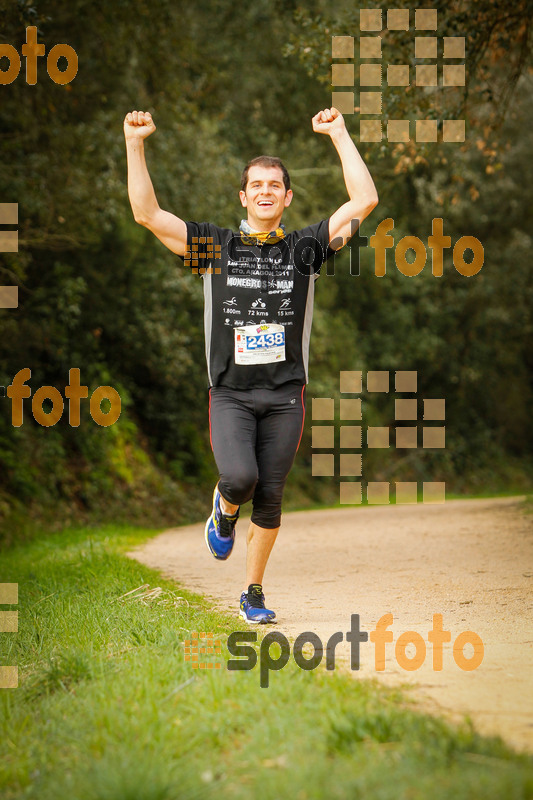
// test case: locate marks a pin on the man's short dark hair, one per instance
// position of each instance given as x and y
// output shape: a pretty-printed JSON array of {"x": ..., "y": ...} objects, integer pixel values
[{"x": 266, "y": 161}]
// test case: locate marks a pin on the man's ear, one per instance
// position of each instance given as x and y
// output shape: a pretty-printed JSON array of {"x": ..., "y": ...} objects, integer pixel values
[
  {"x": 288, "y": 199},
  {"x": 242, "y": 195}
]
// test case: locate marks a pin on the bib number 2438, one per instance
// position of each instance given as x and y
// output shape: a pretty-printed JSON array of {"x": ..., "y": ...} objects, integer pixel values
[{"x": 259, "y": 344}]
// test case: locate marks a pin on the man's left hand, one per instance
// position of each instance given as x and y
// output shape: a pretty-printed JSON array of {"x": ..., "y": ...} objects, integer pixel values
[{"x": 329, "y": 121}]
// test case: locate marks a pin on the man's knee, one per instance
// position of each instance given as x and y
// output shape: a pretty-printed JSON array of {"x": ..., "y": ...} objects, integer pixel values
[{"x": 238, "y": 486}]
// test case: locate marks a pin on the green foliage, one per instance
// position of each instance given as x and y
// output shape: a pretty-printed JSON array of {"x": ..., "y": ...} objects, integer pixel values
[{"x": 100, "y": 293}]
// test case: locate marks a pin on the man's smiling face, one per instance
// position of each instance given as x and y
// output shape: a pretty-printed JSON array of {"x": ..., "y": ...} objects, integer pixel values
[{"x": 265, "y": 197}]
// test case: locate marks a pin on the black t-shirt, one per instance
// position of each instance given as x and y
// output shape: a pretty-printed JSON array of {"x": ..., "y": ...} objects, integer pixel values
[{"x": 250, "y": 285}]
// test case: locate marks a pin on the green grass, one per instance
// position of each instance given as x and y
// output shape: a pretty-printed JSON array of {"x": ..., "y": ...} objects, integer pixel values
[{"x": 108, "y": 709}]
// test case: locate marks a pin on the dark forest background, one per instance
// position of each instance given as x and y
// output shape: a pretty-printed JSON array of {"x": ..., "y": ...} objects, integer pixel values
[{"x": 224, "y": 83}]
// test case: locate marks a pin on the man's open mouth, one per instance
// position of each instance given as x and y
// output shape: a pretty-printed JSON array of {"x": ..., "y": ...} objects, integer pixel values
[{"x": 265, "y": 203}]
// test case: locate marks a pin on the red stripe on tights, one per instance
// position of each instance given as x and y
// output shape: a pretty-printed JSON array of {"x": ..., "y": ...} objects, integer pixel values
[{"x": 303, "y": 418}]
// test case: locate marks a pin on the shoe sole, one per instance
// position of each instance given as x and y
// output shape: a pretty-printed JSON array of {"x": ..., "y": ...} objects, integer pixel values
[{"x": 257, "y": 621}]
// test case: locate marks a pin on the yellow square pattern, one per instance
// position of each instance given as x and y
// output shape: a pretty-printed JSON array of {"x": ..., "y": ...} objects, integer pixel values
[
  {"x": 351, "y": 464},
  {"x": 435, "y": 409},
  {"x": 9, "y": 677},
  {"x": 377, "y": 492},
  {"x": 351, "y": 436},
  {"x": 370, "y": 47},
  {"x": 9, "y": 241},
  {"x": 9, "y": 213},
  {"x": 370, "y": 19},
  {"x": 398, "y": 75},
  {"x": 342, "y": 46},
  {"x": 377, "y": 381},
  {"x": 351, "y": 382},
  {"x": 323, "y": 436},
  {"x": 453, "y": 130},
  {"x": 398, "y": 130},
  {"x": 342, "y": 75},
  {"x": 9, "y": 621},
  {"x": 370, "y": 74},
  {"x": 434, "y": 437},
  {"x": 406, "y": 437},
  {"x": 343, "y": 102},
  {"x": 350, "y": 493},
  {"x": 434, "y": 492},
  {"x": 323, "y": 408},
  {"x": 370, "y": 102},
  {"x": 454, "y": 47},
  {"x": 378, "y": 437},
  {"x": 370, "y": 130},
  {"x": 426, "y": 75},
  {"x": 9, "y": 296},
  {"x": 322, "y": 465},
  {"x": 406, "y": 408},
  {"x": 406, "y": 381},
  {"x": 406, "y": 492},
  {"x": 350, "y": 409},
  {"x": 426, "y": 47},
  {"x": 426, "y": 19},
  {"x": 398, "y": 19},
  {"x": 9, "y": 593},
  {"x": 453, "y": 75},
  {"x": 426, "y": 130},
  {"x": 196, "y": 647}
]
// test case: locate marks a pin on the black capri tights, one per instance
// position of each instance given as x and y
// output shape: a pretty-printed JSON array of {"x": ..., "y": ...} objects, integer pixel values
[{"x": 255, "y": 434}]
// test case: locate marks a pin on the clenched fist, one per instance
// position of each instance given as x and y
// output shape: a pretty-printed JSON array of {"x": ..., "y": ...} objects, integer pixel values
[
  {"x": 138, "y": 125},
  {"x": 329, "y": 121}
]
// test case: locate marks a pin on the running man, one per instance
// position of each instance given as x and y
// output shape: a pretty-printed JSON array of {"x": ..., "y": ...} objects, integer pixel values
[{"x": 258, "y": 292}]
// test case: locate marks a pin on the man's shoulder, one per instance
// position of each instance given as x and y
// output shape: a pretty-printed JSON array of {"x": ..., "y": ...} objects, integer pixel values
[
  {"x": 203, "y": 229},
  {"x": 318, "y": 230}
]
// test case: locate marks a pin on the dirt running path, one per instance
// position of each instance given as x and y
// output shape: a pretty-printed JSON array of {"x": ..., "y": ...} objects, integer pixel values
[{"x": 469, "y": 560}]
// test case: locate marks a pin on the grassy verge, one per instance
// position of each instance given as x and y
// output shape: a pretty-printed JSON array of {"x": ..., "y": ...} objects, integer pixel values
[{"x": 108, "y": 709}]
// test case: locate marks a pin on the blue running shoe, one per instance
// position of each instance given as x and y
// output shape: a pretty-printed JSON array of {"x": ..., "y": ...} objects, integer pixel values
[
  {"x": 220, "y": 530},
  {"x": 252, "y": 607}
]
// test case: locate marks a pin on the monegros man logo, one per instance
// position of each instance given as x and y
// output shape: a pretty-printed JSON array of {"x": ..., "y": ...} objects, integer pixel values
[{"x": 31, "y": 50}]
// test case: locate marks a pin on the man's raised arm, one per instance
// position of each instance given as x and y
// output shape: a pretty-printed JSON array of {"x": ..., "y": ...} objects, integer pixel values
[
  {"x": 359, "y": 183},
  {"x": 168, "y": 228}
]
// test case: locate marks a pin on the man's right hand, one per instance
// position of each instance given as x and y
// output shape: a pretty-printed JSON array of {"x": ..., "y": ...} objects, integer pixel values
[
  {"x": 138, "y": 125},
  {"x": 169, "y": 229}
]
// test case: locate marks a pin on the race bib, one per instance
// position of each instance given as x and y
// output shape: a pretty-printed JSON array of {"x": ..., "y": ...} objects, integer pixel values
[{"x": 259, "y": 344}]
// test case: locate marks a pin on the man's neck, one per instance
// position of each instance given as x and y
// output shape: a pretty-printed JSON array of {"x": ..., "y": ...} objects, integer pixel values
[{"x": 263, "y": 226}]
